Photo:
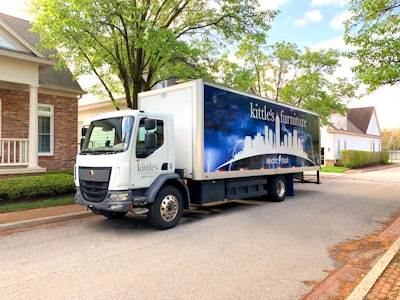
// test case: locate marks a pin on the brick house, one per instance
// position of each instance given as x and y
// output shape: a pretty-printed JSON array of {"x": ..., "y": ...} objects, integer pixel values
[{"x": 38, "y": 105}]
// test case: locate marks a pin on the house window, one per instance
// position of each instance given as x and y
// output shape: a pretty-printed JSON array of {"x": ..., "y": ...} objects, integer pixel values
[
  {"x": 45, "y": 129},
  {"x": 338, "y": 147},
  {"x": 6, "y": 44}
]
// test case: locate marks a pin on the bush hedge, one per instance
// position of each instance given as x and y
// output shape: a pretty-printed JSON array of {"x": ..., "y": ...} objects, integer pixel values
[
  {"x": 355, "y": 158},
  {"x": 30, "y": 187}
]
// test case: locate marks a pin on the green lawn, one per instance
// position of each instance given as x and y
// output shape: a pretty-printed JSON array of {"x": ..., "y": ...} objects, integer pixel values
[
  {"x": 35, "y": 204},
  {"x": 333, "y": 169}
]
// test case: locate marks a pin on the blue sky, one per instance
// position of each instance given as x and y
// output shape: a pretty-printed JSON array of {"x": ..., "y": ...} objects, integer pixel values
[
  {"x": 303, "y": 22},
  {"x": 307, "y": 23}
]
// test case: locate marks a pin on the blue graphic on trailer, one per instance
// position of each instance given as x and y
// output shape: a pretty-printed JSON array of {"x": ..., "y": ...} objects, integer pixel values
[{"x": 241, "y": 132}]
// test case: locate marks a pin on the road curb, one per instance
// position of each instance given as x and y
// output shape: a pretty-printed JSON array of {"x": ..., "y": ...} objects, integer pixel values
[
  {"x": 45, "y": 220},
  {"x": 369, "y": 280}
]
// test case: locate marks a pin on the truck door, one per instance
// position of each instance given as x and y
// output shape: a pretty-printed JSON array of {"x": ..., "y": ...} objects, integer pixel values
[{"x": 149, "y": 162}]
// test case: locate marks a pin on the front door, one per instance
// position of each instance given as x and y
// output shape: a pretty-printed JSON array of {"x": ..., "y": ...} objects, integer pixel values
[{"x": 148, "y": 164}]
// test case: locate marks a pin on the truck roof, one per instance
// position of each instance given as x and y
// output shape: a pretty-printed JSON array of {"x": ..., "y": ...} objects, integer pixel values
[
  {"x": 202, "y": 82},
  {"x": 130, "y": 112}
]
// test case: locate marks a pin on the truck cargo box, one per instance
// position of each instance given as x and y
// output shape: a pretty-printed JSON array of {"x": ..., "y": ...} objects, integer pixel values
[{"x": 224, "y": 133}]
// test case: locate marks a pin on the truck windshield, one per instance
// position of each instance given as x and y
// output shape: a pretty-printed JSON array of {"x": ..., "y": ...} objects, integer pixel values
[{"x": 108, "y": 136}]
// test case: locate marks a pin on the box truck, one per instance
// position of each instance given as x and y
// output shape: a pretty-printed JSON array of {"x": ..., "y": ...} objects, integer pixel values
[{"x": 194, "y": 142}]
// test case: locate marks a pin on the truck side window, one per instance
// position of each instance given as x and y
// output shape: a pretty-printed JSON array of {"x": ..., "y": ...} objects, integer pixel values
[{"x": 141, "y": 150}]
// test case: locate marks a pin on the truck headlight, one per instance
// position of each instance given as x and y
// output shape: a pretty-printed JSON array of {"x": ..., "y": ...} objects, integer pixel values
[{"x": 119, "y": 196}]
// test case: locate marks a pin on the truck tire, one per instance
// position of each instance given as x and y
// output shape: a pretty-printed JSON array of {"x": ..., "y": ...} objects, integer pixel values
[
  {"x": 277, "y": 188},
  {"x": 167, "y": 209},
  {"x": 112, "y": 214}
]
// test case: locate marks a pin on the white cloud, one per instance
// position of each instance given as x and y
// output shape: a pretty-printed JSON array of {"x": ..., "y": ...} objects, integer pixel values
[
  {"x": 334, "y": 43},
  {"x": 272, "y": 5},
  {"x": 338, "y": 20},
  {"x": 310, "y": 16},
  {"x": 344, "y": 71},
  {"x": 340, "y": 3}
]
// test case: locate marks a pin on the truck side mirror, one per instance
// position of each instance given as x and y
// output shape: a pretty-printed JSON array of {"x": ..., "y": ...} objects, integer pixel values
[
  {"x": 149, "y": 124},
  {"x": 84, "y": 130}
]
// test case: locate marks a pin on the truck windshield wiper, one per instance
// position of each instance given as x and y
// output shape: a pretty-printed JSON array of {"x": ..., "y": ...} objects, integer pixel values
[{"x": 99, "y": 151}]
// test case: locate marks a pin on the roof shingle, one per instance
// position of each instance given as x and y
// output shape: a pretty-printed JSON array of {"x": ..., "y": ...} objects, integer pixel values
[{"x": 48, "y": 76}]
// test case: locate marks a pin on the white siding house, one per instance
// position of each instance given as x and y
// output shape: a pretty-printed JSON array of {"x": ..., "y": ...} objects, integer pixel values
[{"x": 359, "y": 130}]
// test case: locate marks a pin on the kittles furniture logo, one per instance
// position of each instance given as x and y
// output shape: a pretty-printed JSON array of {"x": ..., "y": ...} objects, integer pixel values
[
  {"x": 263, "y": 113},
  {"x": 147, "y": 168}
]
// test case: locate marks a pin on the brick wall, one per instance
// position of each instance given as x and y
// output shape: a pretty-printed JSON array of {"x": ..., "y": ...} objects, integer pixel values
[{"x": 15, "y": 116}]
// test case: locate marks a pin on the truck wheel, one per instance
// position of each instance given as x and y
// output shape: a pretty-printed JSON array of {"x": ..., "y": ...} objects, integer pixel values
[
  {"x": 167, "y": 209},
  {"x": 277, "y": 188},
  {"x": 112, "y": 214}
]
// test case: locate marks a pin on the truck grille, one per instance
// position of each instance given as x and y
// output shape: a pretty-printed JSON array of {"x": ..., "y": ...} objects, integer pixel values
[{"x": 93, "y": 183}]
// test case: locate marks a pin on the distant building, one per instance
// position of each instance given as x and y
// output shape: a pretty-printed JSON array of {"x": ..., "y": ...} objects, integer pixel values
[
  {"x": 38, "y": 105},
  {"x": 359, "y": 130}
]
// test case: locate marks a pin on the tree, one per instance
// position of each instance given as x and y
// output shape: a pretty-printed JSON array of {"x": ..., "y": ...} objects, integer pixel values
[
  {"x": 252, "y": 52},
  {"x": 230, "y": 73},
  {"x": 391, "y": 139},
  {"x": 313, "y": 85},
  {"x": 285, "y": 74},
  {"x": 374, "y": 29},
  {"x": 131, "y": 45}
]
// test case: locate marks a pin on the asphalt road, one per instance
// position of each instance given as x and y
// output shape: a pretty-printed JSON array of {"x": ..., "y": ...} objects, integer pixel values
[{"x": 238, "y": 250}]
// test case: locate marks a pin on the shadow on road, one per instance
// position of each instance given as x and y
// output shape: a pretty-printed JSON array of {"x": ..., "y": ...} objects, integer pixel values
[{"x": 195, "y": 214}]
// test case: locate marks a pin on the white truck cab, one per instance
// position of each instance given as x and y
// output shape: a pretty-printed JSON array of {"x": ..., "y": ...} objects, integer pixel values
[{"x": 123, "y": 154}]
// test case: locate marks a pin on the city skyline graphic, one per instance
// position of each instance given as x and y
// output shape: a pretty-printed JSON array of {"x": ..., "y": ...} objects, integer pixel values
[{"x": 270, "y": 143}]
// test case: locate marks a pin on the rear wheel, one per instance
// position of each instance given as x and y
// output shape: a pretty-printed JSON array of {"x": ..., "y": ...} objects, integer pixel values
[
  {"x": 167, "y": 209},
  {"x": 277, "y": 188}
]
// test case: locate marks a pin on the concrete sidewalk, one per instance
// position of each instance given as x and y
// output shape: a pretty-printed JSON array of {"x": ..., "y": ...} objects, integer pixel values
[
  {"x": 39, "y": 216},
  {"x": 382, "y": 282}
]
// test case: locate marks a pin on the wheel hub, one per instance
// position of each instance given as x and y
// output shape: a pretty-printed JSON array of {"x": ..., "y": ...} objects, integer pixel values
[
  {"x": 280, "y": 188},
  {"x": 169, "y": 208}
]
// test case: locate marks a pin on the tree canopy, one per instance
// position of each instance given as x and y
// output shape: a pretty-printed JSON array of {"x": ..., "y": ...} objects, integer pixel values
[
  {"x": 374, "y": 29},
  {"x": 131, "y": 45},
  {"x": 391, "y": 139},
  {"x": 284, "y": 73}
]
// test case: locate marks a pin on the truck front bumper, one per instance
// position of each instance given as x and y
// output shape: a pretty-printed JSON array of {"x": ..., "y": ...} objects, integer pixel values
[{"x": 112, "y": 202}]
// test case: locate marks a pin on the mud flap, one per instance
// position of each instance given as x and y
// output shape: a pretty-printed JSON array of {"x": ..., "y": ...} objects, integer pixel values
[{"x": 289, "y": 185}]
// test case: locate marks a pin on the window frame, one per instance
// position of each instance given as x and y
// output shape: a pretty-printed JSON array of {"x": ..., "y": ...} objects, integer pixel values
[
  {"x": 49, "y": 113},
  {"x": 140, "y": 137}
]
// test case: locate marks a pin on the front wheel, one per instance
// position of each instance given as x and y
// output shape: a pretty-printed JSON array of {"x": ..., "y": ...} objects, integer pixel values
[
  {"x": 167, "y": 209},
  {"x": 277, "y": 188}
]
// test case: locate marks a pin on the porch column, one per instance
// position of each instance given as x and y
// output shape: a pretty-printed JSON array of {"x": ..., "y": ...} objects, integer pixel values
[{"x": 33, "y": 126}]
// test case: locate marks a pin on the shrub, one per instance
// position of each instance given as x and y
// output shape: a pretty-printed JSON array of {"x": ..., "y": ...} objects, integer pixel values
[
  {"x": 23, "y": 188},
  {"x": 356, "y": 158},
  {"x": 385, "y": 157}
]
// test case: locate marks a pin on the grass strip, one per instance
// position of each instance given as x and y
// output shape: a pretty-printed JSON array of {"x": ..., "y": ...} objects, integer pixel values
[
  {"x": 333, "y": 169},
  {"x": 36, "y": 204}
]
